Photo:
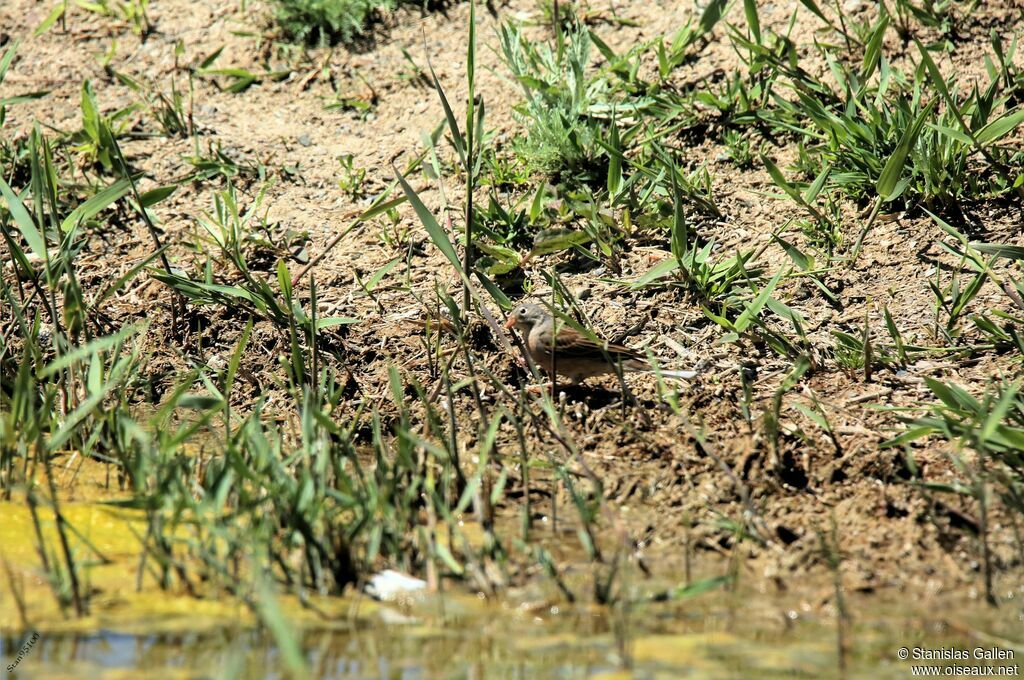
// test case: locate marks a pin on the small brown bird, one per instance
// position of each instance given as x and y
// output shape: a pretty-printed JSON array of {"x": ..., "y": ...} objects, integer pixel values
[{"x": 570, "y": 353}]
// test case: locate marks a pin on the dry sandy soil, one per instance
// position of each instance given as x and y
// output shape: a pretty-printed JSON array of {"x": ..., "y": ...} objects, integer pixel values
[{"x": 890, "y": 533}]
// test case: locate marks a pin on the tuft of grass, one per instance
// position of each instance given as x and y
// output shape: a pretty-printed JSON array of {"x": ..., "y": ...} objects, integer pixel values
[
  {"x": 327, "y": 22},
  {"x": 986, "y": 438},
  {"x": 133, "y": 12},
  {"x": 95, "y": 141},
  {"x": 566, "y": 102}
]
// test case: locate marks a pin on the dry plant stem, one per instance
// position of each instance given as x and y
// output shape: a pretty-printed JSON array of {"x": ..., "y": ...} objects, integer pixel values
[
  {"x": 327, "y": 248},
  {"x": 621, "y": 604}
]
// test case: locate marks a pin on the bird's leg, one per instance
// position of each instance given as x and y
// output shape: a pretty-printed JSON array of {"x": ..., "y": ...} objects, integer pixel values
[
  {"x": 571, "y": 380},
  {"x": 537, "y": 389}
]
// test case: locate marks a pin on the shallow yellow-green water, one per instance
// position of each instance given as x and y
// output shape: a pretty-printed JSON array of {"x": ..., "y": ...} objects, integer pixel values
[{"x": 716, "y": 635}]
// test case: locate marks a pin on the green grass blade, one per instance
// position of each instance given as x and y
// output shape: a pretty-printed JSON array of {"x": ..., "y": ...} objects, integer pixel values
[
  {"x": 657, "y": 272},
  {"x": 750, "y": 9},
  {"x": 7, "y": 58},
  {"x": 434, "y": 230},
  {"x": 79, "y": 353},
  {"x": 712, "y": 14},
  {"x": 27, "y": 227},
  {"x": 1000, "y": 127},
  {"x": 754, "y": 308},
  {"x": 873, "y": 51},
  {"x": 95, "y": 204},
  {"x": 998, "y": 413},
  {"x": 453, "y": 123},
  {"x": 888, "y": 185}
]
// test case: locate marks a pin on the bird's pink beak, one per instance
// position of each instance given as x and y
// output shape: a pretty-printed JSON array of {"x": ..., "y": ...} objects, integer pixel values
[{"x": 510, "y": 322}]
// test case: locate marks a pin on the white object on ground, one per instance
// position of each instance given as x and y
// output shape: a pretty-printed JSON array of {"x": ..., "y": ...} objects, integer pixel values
[{"x": 389, "y": 584}]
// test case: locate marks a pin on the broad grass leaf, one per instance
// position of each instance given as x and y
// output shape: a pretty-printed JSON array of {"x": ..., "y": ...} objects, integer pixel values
[{"x": 27, "y": 227}]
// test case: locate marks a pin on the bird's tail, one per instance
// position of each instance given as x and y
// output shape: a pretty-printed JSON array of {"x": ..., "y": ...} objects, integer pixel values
[
  {"x": 639, "y": 366},
  {"x": 678, "y": 375}
]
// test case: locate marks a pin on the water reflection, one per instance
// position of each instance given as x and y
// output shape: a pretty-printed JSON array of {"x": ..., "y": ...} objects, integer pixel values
[
  {"x": 393, "y": 652},
  {"x": 713, "y": 637}
]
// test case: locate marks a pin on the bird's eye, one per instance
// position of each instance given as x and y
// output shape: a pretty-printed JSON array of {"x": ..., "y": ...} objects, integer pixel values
[{"x": 522, "y": 310}]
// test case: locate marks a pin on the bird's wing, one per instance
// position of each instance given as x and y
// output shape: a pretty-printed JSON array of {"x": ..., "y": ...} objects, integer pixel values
[{"x": 571, "y": 344}]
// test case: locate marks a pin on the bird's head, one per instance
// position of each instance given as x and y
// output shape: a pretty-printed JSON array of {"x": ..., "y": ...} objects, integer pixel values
[{"x": 525, "y": 317}]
